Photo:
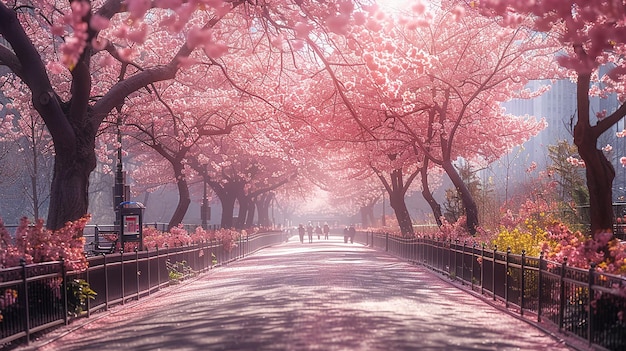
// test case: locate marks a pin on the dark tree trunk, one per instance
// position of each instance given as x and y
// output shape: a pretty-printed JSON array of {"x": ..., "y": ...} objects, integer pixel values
[
  {"x": 428, "y": 195},
  {"x": 402, "y": 213},
  {"x": 184, "y": 198},
  {"x": 69, "y": 195},
  {"x": 471, "y": 210},
  {"x": 367, "y": 216},
  {"x": 600, "y": 172},
  {"x": 228, "y": 210},
  {"x": 244, "y": 205},
  {"x": 250, "y": 215},
  {"x": 396, "y": 189},
  {"x": 371, "y": 215},
  {"x": 263, "y": 209},
  {"x": 364, "y": 220},
  {"x": 396, "y": 200}
]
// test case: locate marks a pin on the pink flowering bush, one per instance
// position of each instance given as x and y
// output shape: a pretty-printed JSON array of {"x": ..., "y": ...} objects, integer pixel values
[
  {"x": 606, "y": 252},
  {"x": 35, "y": 243},
  {"x": 178, "y": 236}
]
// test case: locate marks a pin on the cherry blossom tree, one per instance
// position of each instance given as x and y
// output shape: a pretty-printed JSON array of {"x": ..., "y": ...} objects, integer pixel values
[
  {"x": 426, "y": 86},
  {"x": 592, "y": 37},
  {"x": 239, "y": 175},
  {"x": 112, "y": 49},
  {"x": 452, "y": 110}
]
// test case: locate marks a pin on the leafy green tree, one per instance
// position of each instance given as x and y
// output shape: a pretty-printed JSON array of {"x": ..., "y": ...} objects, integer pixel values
[{"x": 571, "y": 189}]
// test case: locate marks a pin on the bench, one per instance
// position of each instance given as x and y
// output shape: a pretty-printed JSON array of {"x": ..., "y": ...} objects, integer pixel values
[{"x": 105, "y": 241}]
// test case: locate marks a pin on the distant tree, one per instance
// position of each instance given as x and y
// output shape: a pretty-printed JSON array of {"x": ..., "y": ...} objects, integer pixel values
[
  {"x": 592, "y": 36},
  {"x": 32, "y": 143}
]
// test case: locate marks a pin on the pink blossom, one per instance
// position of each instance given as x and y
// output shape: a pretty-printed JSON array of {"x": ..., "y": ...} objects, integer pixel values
[
  {"x": 215, "y": 50},
  {"x": 138, "y": 35},
  {"x": 55, "y": 67},
  {"x": 98, "y": 22},
  {"x": 338, "y": 23},
  {"x": 138, "y": 8}
]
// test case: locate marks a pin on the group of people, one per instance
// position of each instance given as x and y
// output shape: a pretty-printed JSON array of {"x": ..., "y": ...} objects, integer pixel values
[
  {"x": 310, "y": 229},
  {"x": 348, "y": 232}
]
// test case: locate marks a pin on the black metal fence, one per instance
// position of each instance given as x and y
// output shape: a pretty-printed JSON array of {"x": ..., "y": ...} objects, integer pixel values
[
  {"x": 37, "y": 297},
  {"x": 585, "y": 303}
]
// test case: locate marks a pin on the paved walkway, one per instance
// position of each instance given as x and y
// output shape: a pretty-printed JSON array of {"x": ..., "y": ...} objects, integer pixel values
[{"x": 322, "y": 296}]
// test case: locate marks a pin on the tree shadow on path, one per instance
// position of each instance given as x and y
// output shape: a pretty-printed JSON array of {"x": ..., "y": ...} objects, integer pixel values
[{"x": 322, "y": 296}]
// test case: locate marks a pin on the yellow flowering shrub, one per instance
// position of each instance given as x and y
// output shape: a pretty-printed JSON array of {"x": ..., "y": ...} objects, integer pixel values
[{"x": 528, "y": 235}]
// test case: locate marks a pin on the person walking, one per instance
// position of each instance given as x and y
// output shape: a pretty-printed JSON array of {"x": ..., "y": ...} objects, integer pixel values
[
  {"x": 326, "y": 231},
  {"x": 351, "y": 233},
  {"x": 301, "y": 233},
  {"x": 309, "y": 231},
  {"x": 318, "y": 231}
]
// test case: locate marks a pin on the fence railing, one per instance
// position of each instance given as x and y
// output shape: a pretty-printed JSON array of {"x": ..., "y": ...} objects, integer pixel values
[
  {"x": 37, "y": 297},
  {"x": 588, "y": 304}
]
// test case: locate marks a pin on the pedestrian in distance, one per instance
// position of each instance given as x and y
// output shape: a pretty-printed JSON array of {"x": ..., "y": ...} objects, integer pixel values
[
  {"x": 351, "y": 233},
  {"x": 301, "y": 233},
  {"x": 318, "y": 231},
  {"x": 309, "y": 231},
  {"x": 326, "y": 230},
  {"x": 346, "y": 234}
]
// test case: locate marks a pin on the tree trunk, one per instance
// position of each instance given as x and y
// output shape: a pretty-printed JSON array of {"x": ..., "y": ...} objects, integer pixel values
[
  {"x": 69, "y": 190},
  {"x": 228, "y": 210},
  {"x": 396, "y": 199},
  {"x": 184, "y": 198},
  {"x": 250, "y": 215},
  {"x": 469, "y": 205},
  {"x": 262, "y": 206},
  {"x": 367, "y": 216},
  {"x": 370, "y": 214},
  {"x": 244, "y": 205},
  {"x": 600, "y": 172},
  {"x": 428, "y": 196},
  {"x": 365, "y": 222}
]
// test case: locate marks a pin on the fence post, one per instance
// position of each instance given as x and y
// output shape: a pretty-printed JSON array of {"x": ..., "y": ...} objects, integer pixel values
[
  {"x": 562, "y": 294},
  {"x": 122, "y": 275},
  {"x": 493, "y": 272},
  {"x": 158, "y": 267},
  {"x": 440, "y": 258},
  {"x": 88, "y": 279},
  {"x": 590, "y": 311},
  {"x": 64, "y": 289},
  {"x": 386, "y": 241},
  {"x": 453, "y": 252},
  {"x": 539, "y": 287},
  {"x": 506, "y": 277},
  {"x": 137, "y": 271},
  {"x": 482, "y": 268},
  {"x": 472, "y": 270},
  {"x": 463, "y": 263},
  {"x": 26, "y": 325},
  {"x": 148, "y": 268},
  {"x": 106, "y": 282},
  {"x": 522, "y": 284}
]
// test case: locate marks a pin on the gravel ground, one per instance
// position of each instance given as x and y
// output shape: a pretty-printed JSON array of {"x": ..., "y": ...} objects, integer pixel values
[{"x": 327, "y": 295}]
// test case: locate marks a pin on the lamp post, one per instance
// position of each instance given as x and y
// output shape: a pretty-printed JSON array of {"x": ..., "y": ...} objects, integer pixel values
[
  {"x": 384, "y": 224},
  {"x": 205, "y": 215},
  {"x": 118, "y": 188},
  {"x": 273, "y": 218}
]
